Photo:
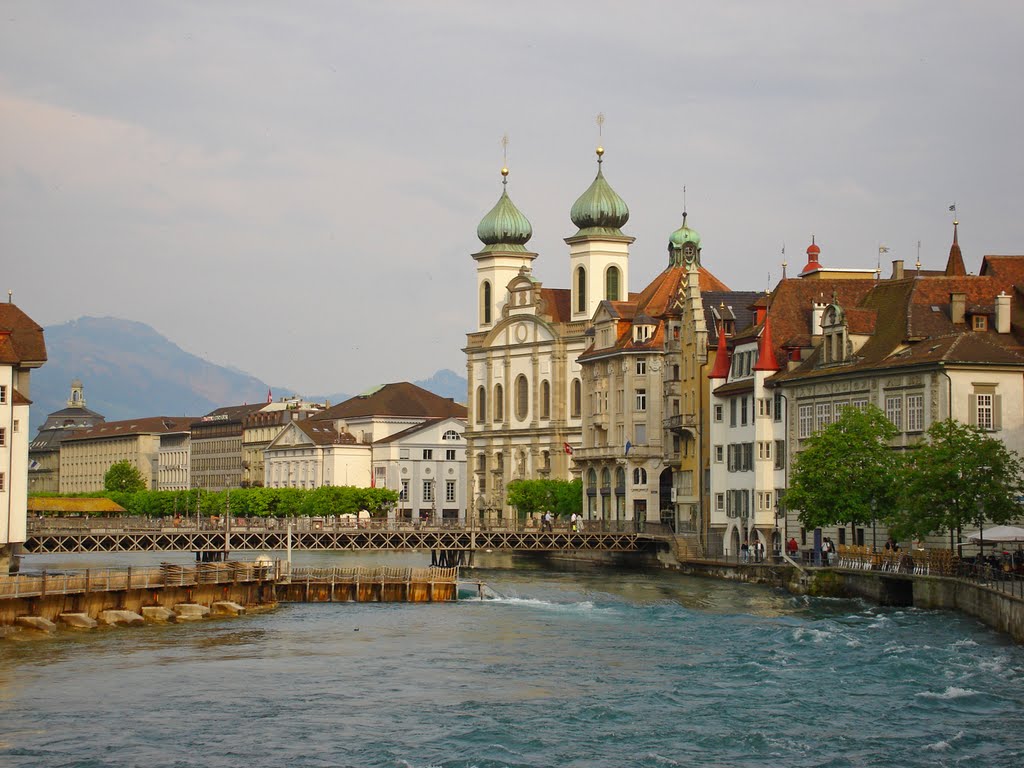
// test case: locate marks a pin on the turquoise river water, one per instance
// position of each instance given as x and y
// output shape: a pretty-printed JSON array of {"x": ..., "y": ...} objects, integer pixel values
[{"x": 594, "y": 668}]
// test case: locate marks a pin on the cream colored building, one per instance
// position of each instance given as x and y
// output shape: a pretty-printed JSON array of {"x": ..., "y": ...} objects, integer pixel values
[
  {"x": 525, "y": 386},
  {"x": 261, "y": 427},
  {"x": 44, "y": 450},
  {"x": 86, "y": 455}
]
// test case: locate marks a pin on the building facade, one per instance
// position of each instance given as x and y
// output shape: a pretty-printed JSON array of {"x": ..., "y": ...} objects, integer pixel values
[
  {"x": 215, "y": 457},
  {"x": 44, "y": 450}
]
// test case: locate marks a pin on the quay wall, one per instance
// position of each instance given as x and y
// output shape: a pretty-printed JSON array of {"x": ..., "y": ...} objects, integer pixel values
[{"x": 93, "y": 603}]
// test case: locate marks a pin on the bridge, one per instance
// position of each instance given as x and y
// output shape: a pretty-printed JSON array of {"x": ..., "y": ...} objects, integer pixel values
[{"x": 213, "y": 539}]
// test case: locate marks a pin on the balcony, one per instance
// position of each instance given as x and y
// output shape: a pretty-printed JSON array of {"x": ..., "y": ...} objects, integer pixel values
[{"x": 682, "y": 423}]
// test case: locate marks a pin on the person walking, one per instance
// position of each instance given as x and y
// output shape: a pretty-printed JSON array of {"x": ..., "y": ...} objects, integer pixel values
[
  {"x": 745, "y": 551},
  {"x": 548, "y": 523}
]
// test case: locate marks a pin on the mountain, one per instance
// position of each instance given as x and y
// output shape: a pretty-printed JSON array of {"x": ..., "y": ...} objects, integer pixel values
[{"x": 129, "y": 369}]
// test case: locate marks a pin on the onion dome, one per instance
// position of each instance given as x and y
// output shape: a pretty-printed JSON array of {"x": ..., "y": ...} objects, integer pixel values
[
  {"x": 599, "y": 210},
  {"x": 813, "y": 252},
  {"x": 683, "y": 235},
  {"x": 504, "y": 228}
]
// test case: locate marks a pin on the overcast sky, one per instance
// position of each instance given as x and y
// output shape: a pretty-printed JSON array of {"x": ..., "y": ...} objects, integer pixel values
[{"x": 293, "y": 188}]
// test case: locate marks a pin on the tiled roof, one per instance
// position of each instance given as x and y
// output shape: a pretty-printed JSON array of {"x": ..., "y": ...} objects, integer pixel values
[
  {"x": 557, "y": 304},
  {"x": 407, "y": 431},
  {"x": 738, "y": 303},
  {"x": 323, "y": 433},
  {"x": 150, "y": 425},
  {"x": 399, "y": 399},
  {"x": 27, "y": 343},
  {"x": 19, "y": 399}
]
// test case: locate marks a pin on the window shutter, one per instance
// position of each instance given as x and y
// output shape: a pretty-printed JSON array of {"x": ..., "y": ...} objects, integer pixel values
[
  {"x": 997, "y": 412},
  {"x": 972, "y": 410}
]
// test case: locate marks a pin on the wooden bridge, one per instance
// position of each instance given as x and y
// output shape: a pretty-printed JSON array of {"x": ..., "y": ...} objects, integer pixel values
[{"x": 213, "y": 539}]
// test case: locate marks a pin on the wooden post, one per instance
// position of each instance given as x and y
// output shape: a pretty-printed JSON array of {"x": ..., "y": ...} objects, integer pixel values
[
  {"x": 129, "y": 584},
  {"x": 42, "y": 592}
]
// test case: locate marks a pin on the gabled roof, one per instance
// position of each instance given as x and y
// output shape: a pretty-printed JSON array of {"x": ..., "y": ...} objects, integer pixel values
[
  {"x": 399, "y": 399},
  {"x": 26, "y": 343},
  {"x": 413, "y": 430}
]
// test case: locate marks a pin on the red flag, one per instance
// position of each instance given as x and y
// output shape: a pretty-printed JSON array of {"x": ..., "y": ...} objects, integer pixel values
[
  {"x": 568, "y": 448},
  {"x": 270, "y": 397},
  {"x": 373, "y": 478}
]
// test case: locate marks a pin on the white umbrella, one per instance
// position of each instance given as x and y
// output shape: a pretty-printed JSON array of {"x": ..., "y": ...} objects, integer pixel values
[{"x": 998, "y": 533}]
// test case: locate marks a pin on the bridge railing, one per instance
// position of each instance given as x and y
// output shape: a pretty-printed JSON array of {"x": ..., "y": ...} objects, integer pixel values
[
  {"x": 121, "y": 579},
  {"x": 70, "y": 526}
]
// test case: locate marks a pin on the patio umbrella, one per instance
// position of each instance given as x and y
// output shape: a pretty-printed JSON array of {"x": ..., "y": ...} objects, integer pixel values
[{"x": 998, "y": 533}]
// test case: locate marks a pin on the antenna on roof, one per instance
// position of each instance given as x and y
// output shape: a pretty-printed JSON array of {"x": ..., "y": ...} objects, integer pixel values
[
  {"x": 10, "y": 293},
  {"x": 918, "y": 264},
  {"x": 784, "y": 265}
]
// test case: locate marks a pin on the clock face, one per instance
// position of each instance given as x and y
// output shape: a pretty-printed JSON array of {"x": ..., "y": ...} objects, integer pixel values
[{"x": 689, "y": 253}]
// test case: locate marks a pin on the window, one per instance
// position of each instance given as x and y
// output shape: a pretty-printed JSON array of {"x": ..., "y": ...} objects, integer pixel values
[
  {"x": 577, "y": 397},
  {"x": 732, "y": 411},
  {"x": 720, "y": 502},
  {"x": 764, "y": 406},
  {"x": 718, "y": 413},
  {"x": 403, "y": 453},
  {"x": 428, "y": 490},
  {"x": 14, "y": 427},
  {"x": 839, "y": 407},
  {"x": 984, "y": 411},
  {"x": 743, "y": 411},
  {"x": 485, "y": 302},
  {"x": 545, "y": 400},
  {"x": 731, "y": 451},
  {"x": 481, "y": 405},
  {"x": 764, "y": 449},
  {"x": 780, "y": 454},
  {"x": 451, "y": 434},
  {"x": 860, "y": 404},
  {"x": 641, "y": 366},
  {"x": 380, "y": 476},
  {"x": 639, "y": 476},
  {"x": 640, "y": 434},
  {"x": 822, "y": 416},
  {"x": 641, "y": 399},
  {"x": 481, "y": 462},
  {"x": 748, "y": 457},
  {"x": 449, "y": 454},
  {"x": 894, "y": 411},
  {"x": 778, "y": 406},
  {"x": 980, "y": 322},
  {"x": 3, "y": 437},
  {"x": 611, "y": 284},
  {"x": 915, "y": 413},
  {"x": 3, "y": 394},
  {"x": 449, "y": 491},
  {"x": 499, "y": 402},
  {"x": 428, "y": 454},
  {"x": 522, "y": 398},
  {"x": 581, "y": 289},
  {"x": 719, "y": 454},
  {"x": 403, "y": 493}
]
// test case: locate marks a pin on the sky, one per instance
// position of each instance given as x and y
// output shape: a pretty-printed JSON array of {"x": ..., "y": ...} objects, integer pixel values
[{"x": 293, "y": 189}]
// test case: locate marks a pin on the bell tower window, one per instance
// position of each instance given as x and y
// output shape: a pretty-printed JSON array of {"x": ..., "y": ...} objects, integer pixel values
[
  {"x": 485, "y": 303},
  {"x": 611, "y": 291},
  {"x": 581, "y": 289}
]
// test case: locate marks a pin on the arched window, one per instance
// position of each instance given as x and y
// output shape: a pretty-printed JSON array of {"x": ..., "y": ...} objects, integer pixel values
[
  {"x": 522, "y": 398},
  {"x": 499, "y": 402},
  {"x": 481, "y": 405},
  {"x": 591, "y": 479},
  {"x": 639, "y": 476},
  {"x": 577, "y": 398},
  {"x": 620, "y": 477},
  {"x": 581, "y": 289},
  {"x": 545, "y": 400},
  {"x": 451, "y": 434},
  {"x": 485, "y": 303},
  {"x": 611, "y": 284},
  {"x": 606, "y": 478}
]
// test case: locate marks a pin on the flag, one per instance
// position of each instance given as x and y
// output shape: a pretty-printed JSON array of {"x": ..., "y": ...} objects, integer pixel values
[
  {"x": 952, "y": 208},
  {"x": 568, "y": 448},
  {"x": 270, "y": 396},
  {"x": 628, "y": 446},
  {"x": 373, "y": 478},
  {"x": 883, "y": 249}
]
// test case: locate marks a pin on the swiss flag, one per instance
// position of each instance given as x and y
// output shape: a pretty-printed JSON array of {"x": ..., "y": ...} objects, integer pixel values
[
  {"x": 270, "y": 396},
  {"x": 568, "y": 448}
]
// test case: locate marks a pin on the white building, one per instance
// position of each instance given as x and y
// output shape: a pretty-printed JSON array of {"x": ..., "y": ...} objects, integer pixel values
[{"x": 22, "y": 348}]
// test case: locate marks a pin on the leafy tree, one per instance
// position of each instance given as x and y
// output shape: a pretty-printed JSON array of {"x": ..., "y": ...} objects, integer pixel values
[
  {"x": 562, "y": 497},
  {"x": 960, "y": 477},
  {"x": 847, "y": 474},
  {"x": 125, "y": 477}
]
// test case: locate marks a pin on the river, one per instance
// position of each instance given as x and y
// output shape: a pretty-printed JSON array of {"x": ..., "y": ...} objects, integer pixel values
[{"x": 594, "y": 668}]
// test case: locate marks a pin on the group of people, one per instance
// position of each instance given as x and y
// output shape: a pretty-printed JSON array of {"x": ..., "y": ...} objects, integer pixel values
[{"x": 753, "y": 551}]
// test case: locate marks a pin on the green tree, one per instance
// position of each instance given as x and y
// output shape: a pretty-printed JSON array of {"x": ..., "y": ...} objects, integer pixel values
[
  {"x": 562, "y": 497},
  {"x": 125, "y": 477},
  {"x": 960, "y": 477},
  {"x": 847, "y": 473}
]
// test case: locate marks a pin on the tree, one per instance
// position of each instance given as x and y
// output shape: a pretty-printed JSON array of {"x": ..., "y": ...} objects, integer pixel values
[
  {"x": 847, "y": 474},
  {"x": 562, "y": 497},
  {"x": 125, "y": 477},
  {"x": 960, "y": 477}
]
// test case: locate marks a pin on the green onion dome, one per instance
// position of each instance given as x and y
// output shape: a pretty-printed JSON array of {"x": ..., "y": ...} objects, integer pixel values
[
  {"x": 504, "y": 228},
  {"x": 599, "y": 210},
  {"x": 684, "y": 235}
]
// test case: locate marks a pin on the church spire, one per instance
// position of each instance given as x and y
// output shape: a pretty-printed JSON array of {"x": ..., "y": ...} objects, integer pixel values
[{"x": 955, "y": 264}]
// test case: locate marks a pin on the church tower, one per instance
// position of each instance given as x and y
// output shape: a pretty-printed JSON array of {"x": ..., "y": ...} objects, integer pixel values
[
  {"x": 599, "y": 251},
  {"x": 504, "y": 231}
]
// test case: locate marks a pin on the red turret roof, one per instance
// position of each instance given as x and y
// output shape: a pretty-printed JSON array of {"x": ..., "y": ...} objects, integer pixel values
[
  {"x": 955, "y": 265},
  {"x": 721, "y": 368},
  {"x": 812, "y": 257},
  {"x": 766, "y": 351}
]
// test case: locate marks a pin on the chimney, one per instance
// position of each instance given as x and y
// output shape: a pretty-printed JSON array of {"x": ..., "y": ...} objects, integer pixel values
[
  {"x": 1002, "y": 313},
  {"x": 817, "y": 312},
  {"x": 958, "y": 308},
  {"x": 897, "y": 269}
]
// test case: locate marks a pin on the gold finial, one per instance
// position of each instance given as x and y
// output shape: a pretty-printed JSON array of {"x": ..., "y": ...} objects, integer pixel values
[
  {"x": 504, "y": 157},
  {"x": 600, "y": 131}
]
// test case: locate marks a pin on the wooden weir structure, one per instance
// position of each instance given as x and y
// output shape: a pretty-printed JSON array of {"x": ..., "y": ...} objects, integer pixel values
[{"x": 370, "y": 585}]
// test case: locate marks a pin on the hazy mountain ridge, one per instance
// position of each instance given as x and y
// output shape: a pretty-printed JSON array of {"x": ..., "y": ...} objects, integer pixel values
[{"x": 129, "y": 369}]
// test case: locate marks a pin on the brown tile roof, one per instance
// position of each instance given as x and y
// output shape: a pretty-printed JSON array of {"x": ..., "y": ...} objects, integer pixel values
[
  {"x": 323, "y": 433},
  {"x": 557, "y": 302},
  {"x": 76, "y": 505},
  {"x": 407, "y": 431},
  {"x": 150, "y": 425},
  {"x": 26, "y": 335},
  {"x": 399, "y": 399},
  {"x": 19, "y": 399}
]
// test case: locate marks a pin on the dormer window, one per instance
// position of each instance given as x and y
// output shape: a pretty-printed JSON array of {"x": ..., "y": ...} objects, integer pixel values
[
  {"x": 834, "y": 335},
  {"x": 642, "y": 333},
  {"x": 980, "y": 322}
]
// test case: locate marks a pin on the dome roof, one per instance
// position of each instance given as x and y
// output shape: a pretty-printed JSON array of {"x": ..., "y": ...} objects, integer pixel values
[
  {"x": 599, "y": 210},
  {"x": 684, "y": 235},
  {"x": 504, "y": 228}
]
